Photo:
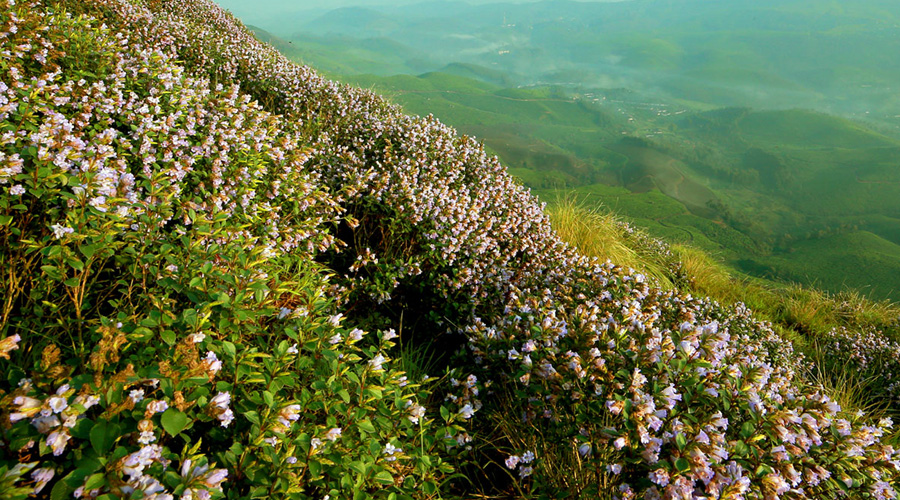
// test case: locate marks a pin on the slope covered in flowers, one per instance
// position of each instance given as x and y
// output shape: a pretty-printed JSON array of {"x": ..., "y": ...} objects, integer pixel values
[{"x": 208, "y": 253}]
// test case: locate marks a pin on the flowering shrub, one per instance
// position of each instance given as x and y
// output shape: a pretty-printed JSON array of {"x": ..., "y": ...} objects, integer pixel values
[
  {"x": 189, "y": 250},
  {"x": 672, "y": 397},
  {"x": 868, "y": 353},
  {"x": 171, "y": 334}
]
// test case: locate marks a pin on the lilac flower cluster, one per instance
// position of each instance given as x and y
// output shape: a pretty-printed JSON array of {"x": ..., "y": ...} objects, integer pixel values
[
  {"x": 53, "y": 415},
  {"x": 191, "y": 138},
  {"x": 694, "y": 398}
]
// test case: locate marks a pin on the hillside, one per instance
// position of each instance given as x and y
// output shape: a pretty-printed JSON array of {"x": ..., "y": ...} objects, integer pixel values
[
  {"x": 227, "y": 277},
  {"x": 757, "y": 188}
]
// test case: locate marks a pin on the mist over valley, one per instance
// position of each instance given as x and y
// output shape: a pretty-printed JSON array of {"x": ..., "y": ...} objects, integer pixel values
[{"x": 765, "y": 132}]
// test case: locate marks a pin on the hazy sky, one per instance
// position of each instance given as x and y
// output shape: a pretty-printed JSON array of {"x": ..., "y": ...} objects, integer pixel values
[
  {"x": 261, "y": 12},
  {"x": 294, "y": 5}
]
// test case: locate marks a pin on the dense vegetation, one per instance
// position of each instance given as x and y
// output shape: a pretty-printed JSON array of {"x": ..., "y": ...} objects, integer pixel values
[{"x": 224, "y": 276}]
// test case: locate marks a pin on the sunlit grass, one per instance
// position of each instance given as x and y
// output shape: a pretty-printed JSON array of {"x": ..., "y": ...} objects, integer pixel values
[{"x": 602, "y": 234}]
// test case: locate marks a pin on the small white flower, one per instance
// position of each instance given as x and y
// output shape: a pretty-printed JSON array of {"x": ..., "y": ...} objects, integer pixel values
[
  {"x": 221, "y": 400},
  {"x": 41, "y": 478},
  {"x": 512, "y": 461},
  {"x": 660, "y": 477},
  {"x": 99, "y": 203},
  {"x": 335, "y": 339},
  {"x": 293, "y": 349},
  {"x": 388, "y": 335},
  {"x": 90, "y": 401},
  {"x": 157, "y": 406},
  {"x": 57, "y": 441},
  {"x": 17, "y": 190},
  {"x": 391, "y": 450},
  {"x": 215, "y": 478},
  {"x": 376, "y": 362},
  {"x": 58, "y": 404},
  {"x": 146, "y": 437},
  {"x": 415, "y": 412},
  {"x": 212, "y": 362},
  {"x": 226, "y": 417},
  {"x": 59, "y": 230},
  {"x": 136, "y": 395},
  {"x": 333, "y": 434}
]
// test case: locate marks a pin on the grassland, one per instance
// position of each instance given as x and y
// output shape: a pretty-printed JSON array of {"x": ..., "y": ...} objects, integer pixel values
[{"x": 776, "y": 194}]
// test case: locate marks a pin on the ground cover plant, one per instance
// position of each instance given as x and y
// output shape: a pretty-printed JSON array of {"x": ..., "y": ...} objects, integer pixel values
[{"x": 221, "y": 270}]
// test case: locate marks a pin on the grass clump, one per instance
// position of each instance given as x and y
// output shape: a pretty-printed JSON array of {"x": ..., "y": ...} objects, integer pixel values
[{"x": 601, "y": 234}]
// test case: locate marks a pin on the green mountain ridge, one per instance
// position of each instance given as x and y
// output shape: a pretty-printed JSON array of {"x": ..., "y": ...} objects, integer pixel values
[{"x": 748, "y": 184}]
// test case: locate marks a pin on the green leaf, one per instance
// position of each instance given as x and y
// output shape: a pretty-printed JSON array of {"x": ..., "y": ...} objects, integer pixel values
[
  {"x": 229, "y": 349},
  {"x": 190, "y": 317},
  {"x": 366, "y": 426},
  {"x": 445, "y": 413},
  {"x": 747, "y": 430},
  {"x": 358, "y": 467},
  {"x": 103, "y": 436},
  {"x": 763, "y": 470},
  {"x": 142, "y": 334},
  {"x": 88, "y": 250},
  {"x": 681, "y": 441},
  {"x": 95, "y": 481},
  {"x": 384, "y": 477},
  {"x": 429, "y": 487},
  {"x": 174, "y": 421},
  {"x": 252, "y": 416},
  {"x": 315, "y": 468},
  {"x": 61, "y": 490},
  {"x": 683, "y": 465},
  {"x": 82, "y": 428},
  {"x": 269, "y": 399},
  {"x": 168, "y": 336}
]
